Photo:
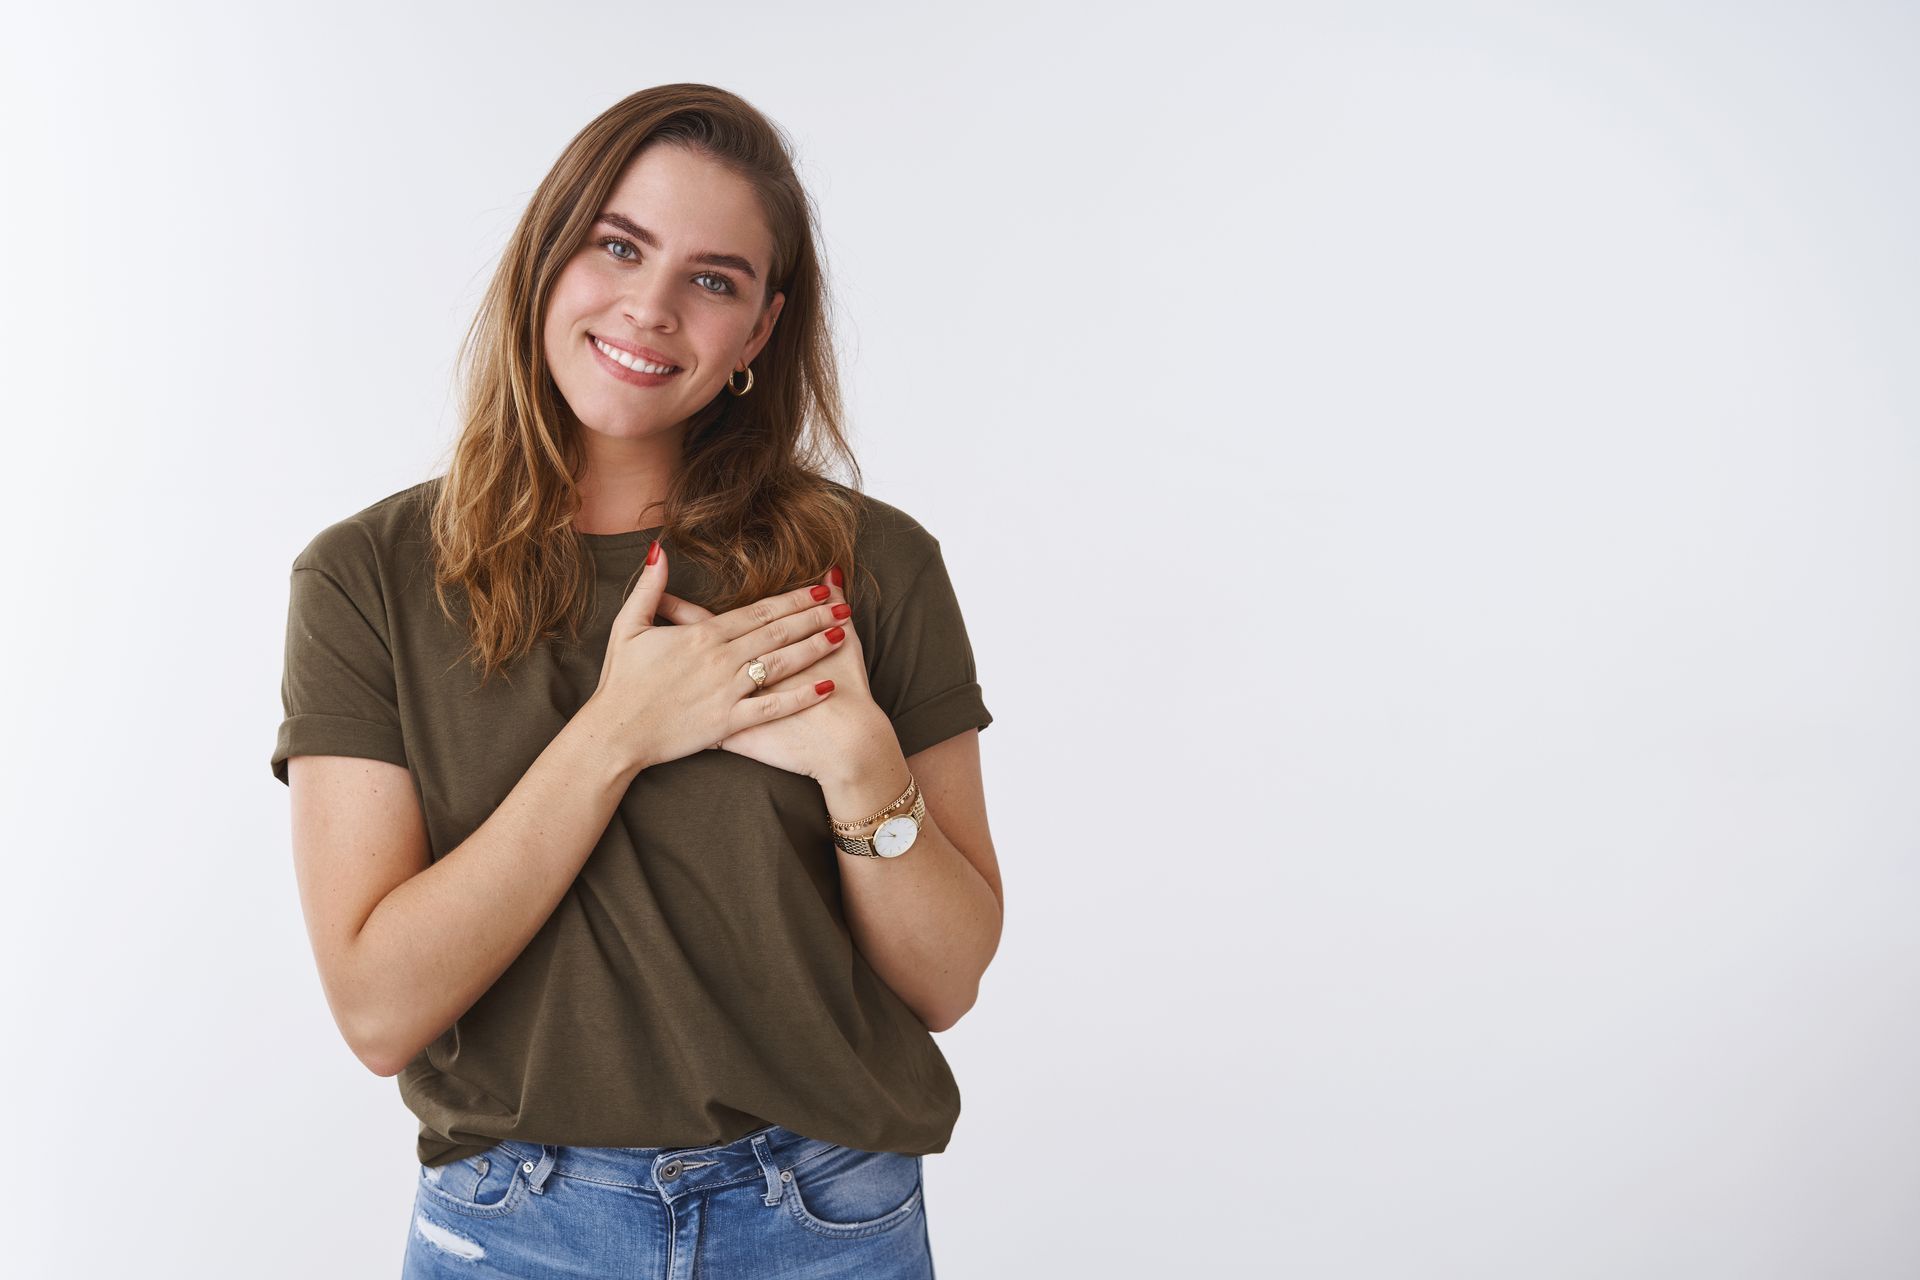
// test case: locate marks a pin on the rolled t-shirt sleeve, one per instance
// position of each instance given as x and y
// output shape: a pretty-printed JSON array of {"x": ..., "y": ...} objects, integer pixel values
[
  {"x": 337, "y": 688},
  {"x": 920, "y": 665}
]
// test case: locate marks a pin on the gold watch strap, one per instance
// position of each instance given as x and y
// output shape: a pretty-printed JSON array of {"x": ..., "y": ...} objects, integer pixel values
[{"x": 862, "y": 846}]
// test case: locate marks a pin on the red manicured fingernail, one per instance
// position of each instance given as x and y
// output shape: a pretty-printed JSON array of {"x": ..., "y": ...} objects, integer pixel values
[
  {"x": 825, "y": 686},
  {"x": 838, "y": 581},
  {"x": 820, "y": 592},
  {"x": 842, "y": 610},
  {"x": 653, "y": 552},
  {"x": 836, "y": 634}
]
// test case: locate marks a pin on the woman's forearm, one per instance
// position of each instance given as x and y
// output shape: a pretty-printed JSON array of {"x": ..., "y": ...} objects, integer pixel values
[
  {"x": 439, "y": 940},
  {"x": 928, "y": 923}
]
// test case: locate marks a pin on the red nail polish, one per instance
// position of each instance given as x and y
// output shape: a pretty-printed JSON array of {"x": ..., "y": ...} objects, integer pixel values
[
  {"x": 653, "y": 552},
  {"x": 820, "y": 592},
  {"x": 825, "y": 686},
  {"x": 842, "y": 610},
  {"x": 836, "y": 634},
  {"x": 835, "y": 577}
]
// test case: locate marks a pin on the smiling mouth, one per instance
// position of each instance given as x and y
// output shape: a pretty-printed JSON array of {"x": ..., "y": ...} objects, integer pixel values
[{"x": 627, "y": 360}]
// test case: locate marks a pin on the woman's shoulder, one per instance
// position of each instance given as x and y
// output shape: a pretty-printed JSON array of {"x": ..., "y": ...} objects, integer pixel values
[
  {"x": 887, "y": 534},
  {"x": 375, "y": 535}
]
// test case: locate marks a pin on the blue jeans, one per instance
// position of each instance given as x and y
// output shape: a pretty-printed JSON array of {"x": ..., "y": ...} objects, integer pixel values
[{"x": 773, "y": 1203}]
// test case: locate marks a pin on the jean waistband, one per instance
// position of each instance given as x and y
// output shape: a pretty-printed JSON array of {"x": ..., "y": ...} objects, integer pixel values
[{"x": 672, "y": 1171}]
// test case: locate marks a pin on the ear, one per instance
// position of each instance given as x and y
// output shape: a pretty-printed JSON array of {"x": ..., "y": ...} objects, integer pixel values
[{"x": 764, "y": 330}]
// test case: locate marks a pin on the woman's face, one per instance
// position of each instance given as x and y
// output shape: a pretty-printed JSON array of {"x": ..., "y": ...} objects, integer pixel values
[{"x": 672, "y": 273}]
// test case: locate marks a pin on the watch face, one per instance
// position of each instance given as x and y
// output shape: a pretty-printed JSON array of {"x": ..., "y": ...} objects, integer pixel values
[{"x": 895, "y": 836}]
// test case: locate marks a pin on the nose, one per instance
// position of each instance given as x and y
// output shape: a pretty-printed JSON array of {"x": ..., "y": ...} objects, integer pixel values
[{"x": 650, "y": 302}]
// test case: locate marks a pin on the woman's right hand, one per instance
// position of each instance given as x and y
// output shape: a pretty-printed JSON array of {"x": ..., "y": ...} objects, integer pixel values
[{"x": 669, "y": 691}]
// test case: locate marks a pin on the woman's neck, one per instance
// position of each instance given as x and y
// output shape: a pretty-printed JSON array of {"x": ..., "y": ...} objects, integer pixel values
[{"x": 624, "y": 485}]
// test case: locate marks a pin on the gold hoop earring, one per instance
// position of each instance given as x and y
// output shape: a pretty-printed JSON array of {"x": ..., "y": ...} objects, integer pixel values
[{"x": 740, "y": 391}]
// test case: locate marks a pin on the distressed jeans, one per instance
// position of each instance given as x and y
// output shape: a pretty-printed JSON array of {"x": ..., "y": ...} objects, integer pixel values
[{"x": 773, "y": 1203}]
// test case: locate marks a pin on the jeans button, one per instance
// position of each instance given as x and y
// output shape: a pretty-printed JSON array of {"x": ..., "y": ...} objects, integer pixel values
[
  {"x": 670, "y": 1170},
  {"x": 527, "y": 1165}
]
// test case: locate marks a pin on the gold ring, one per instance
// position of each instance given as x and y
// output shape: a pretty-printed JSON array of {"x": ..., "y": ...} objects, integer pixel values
[{"x": 758, "y": 670}]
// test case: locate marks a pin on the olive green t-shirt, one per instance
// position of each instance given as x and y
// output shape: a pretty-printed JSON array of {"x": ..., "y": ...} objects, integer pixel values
[{"x": 698, "y": 979}]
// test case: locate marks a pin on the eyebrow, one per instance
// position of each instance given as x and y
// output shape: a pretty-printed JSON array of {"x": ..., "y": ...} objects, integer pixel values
[{"x": 647, "y": 238}]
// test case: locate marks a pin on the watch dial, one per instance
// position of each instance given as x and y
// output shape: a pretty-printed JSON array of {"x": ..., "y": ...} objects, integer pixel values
[{"x": 895, "y": 837}]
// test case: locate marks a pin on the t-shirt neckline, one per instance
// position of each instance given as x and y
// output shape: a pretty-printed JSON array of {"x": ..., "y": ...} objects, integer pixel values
[{"x": 618, "y": 541}]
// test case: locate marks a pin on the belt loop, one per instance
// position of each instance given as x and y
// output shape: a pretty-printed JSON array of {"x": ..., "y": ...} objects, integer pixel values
[
  {"x": 537, "y": 1173},
  {"x": 764, "y": 1155}
]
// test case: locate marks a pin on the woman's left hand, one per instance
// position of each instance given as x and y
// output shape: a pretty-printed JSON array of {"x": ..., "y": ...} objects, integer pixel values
[{"x": 817, "y": 741}]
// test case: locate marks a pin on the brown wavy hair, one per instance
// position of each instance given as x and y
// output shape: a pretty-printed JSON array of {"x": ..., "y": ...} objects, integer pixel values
[{"x": 751, "y": 502}]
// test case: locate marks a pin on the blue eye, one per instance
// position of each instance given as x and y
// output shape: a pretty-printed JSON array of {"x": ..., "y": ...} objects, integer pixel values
[{"x": 633, "y": 255}]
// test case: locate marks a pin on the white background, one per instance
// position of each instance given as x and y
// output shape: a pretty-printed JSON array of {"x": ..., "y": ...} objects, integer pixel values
[{"x": 1433, "y": 492}]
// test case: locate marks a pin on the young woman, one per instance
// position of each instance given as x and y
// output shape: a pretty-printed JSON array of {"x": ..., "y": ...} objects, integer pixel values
[{"x": 649, "y": 897}]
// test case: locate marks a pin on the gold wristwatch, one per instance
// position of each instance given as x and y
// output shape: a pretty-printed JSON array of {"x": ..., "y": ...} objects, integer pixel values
[{"x": 894, "y": 836}]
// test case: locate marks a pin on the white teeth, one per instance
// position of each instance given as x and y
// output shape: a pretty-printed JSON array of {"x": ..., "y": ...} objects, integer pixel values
[{"x": 633, "y": 362}]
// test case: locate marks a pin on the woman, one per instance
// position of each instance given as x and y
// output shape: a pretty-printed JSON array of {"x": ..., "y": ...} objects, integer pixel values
[{"x": 650, "y": 898}]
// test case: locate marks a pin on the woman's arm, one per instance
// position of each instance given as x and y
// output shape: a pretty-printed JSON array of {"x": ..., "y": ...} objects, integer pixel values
[
  {"x": 928, "y": 921},
  {"x": 405, "y": 945}
]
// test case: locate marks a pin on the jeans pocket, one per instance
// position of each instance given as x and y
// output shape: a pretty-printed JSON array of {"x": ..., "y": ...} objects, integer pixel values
[
  {"x": 847, "y": 1192},
  {"x": 483, "y": 1186}
]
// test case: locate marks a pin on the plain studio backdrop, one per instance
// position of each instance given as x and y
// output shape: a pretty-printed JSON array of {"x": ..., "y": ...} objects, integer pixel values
[{"x": 1432, "y": 489}]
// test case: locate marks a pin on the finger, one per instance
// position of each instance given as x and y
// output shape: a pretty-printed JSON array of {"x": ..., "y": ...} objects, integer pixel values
[
  {"x": 636, "y": 614},
  {"x": 679, "y": 610},
  {"x": 837, "y": 600},
  {"x": 790, "y": 659},
  {"x": 825, "y": 616},
  {"x": 771, "y": 706},
  {"x": 735, "y": 623}
]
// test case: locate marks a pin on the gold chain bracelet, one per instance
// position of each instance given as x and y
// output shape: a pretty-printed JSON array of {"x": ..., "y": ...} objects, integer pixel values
[{"x": 905, "y": 800}]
